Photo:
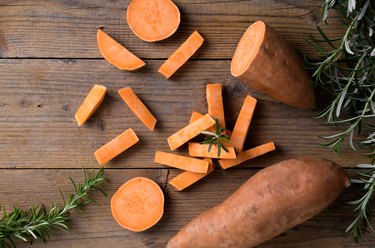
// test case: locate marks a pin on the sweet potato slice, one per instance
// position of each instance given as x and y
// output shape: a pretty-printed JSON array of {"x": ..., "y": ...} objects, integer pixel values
[
  {"x": 90, "y": 104},
  {"x": 138, "y": 108},
  {"x": 181, "y": 55},
  {"x": 247, "y": 155},
  {"x": 117, "y": 54},
  {"x": 272, "y": 201},
  {"x": 201, "y": 150},
  {"x": 195, "y": 116},
  {"x": 241, "y": 128},
  {"x": 181, "y": 162},
  {"x": 190, "y": 131},
  {"x": 153, "y": 20},
  {"x": 266, "y": 62},
  {"x": 188, "y": 178},
  {"x": 138, "y": 204},
  {"x": 116, "y": 146},
  {"x": 215, "y": 103}
]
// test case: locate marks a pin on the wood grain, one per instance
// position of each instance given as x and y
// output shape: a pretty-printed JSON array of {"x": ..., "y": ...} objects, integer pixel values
[
  {"x": 39, "y": 99},
  {"x": 96, "y": 228},
  {"x": 49, "y": 60},
  {"x": 67, "y": 29}
]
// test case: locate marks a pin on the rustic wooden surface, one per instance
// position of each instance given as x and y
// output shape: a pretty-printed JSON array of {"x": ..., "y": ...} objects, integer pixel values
[{"x": 48, "y": 62}]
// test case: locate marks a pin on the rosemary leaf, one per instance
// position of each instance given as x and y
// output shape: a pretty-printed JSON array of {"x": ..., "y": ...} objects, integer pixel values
[{"x": 38, "y": 223}]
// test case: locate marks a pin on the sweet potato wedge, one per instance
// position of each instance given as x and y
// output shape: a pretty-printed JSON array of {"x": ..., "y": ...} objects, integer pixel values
[
  {"x": 275, "y": 199},
  {"x": 116, "y": 54}
]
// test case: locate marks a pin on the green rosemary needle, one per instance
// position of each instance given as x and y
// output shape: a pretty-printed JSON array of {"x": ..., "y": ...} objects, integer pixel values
[
  {"x": 347, "y": 72},
  {"x": 38, "y": 223},
  {"x": 216, "y": 138},
  {"x": 362, "y": 205}
]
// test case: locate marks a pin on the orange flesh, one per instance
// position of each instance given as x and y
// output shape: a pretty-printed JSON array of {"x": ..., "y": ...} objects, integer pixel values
[
  {"x": 153, "y": 20},
  {"x": 181, "y": 55},
  {"x": 215, "y": 103},
  {"x": 181, "y": 162},
  {"x": 195, "y": 116},
  {"x": 201, "y": 150},
  {"x": 247, "y": 155},
  {"x": 138, "y": 108},
  {"x": 190, "y": 131},
  {"x": 116, "y": 146},
  {"x": 90, "y": 104},
  {"x": 187, "y": 178},
  {"x": 116, "y": 54},
  {"x": 138, "y": 204},
  {"x": 247, "y": 48},
  {"x": 241, "y": 128}
]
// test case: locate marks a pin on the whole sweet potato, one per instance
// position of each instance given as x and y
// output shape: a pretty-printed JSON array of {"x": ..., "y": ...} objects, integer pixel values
[{"x": 272, "y": 201}]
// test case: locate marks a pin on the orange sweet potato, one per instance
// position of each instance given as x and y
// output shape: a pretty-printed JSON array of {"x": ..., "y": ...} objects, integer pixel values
[
  {"x": 116, "y": 54},
  {"x": 139, "y": 109},
  {"x": 153, "y": 20},
  {"x": 181, "y": 55},
  {"x": 138, "y": 204},
  {"x": 275, "y": 199},
  {"x": 187, "y": 178},
  {"x": 91, "y": 103},
  {"x": 266, "y": 62},
  {"x": 116, "y": 146}
]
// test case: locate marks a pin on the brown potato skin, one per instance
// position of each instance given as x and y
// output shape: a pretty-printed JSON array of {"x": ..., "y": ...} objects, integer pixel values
[
  {"x": 274, "y": 200},
  {"x": 278, "y": 72}
]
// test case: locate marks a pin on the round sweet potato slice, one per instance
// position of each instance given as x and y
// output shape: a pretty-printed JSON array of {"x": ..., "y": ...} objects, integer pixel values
[
  {"x": 138, "y": 204},
  {"x": 153, "y": 20}
]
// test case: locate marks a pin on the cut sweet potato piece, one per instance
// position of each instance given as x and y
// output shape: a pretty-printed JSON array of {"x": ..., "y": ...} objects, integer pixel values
[
  {"x": 117, "y": 54},
  {"x": 201, "y": 150},
  {"x": 266, "y": 62},
  {"x": 138, "y": 108},
  {"x": 138, "y": 204},
  {"x": 247, "y": 155},
  {"x": 190, "y": 131},
  {"x": 215, "y": 103},
  {"x": 181, "y": 55},
  {"x": 187, "y": 178},
  {"x": 195, "y": 116},
  {"x": 90, "y": 104},
  {"x": 153, "y": 20},
  {"x": 241, "y": 128},
  {"x": 116, "y": 146},
  {"x": 182, "y": 162}
]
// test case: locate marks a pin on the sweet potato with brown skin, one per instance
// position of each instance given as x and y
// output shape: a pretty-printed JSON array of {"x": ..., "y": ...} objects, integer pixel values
[
  {"x": 274, "y": 200},
  {"x": 266, "y": 62}
]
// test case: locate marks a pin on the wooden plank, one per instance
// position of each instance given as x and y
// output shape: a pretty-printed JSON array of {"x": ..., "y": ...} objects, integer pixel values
[
  {"x": 67, "y": 29},
  {"x": 96, "y": 227},
  {"x": 38, "y": 99}
]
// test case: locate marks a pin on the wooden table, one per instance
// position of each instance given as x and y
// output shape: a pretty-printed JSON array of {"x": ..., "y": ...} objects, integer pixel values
[{"x": 48, "y": 62}]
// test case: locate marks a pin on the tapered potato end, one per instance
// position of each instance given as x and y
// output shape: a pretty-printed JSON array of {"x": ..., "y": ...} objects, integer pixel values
[{"x": 266, "y": 62}]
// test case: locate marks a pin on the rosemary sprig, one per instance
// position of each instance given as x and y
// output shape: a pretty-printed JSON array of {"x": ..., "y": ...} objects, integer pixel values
[
  {"x": 216, "y": 138},
  {"x": 38, "y": 223},
  {"x": 347, "y": 71},
  {"x": 362, "y": 205}
]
